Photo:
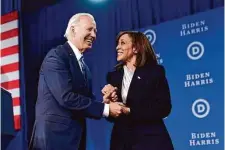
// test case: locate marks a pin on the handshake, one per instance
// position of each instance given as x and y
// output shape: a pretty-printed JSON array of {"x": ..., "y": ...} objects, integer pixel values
[{"x": 110, "y": 97}]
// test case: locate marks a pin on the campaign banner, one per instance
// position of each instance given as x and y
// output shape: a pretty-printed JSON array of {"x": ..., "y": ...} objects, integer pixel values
[{"x": 192, "y": 51}]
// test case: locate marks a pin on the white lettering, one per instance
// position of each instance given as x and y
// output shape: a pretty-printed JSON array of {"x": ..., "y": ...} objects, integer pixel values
[{"x": 193, "y": 28}]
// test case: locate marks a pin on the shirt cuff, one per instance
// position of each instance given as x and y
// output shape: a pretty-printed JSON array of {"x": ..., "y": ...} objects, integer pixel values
[{"x": 106, "y": 110}]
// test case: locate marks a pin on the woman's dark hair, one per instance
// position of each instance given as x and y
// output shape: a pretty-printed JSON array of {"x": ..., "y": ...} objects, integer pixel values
[{"x": 146, "y": 54}]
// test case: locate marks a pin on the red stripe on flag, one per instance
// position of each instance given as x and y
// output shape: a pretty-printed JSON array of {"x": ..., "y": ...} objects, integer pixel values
[
  {"x": 9, "y": 51},
  {"x": 11, "y": 84},
  {"x": 9, "y": 17},
  {"x": 9, "y": 34},
  {"x": 16, "y": 101},
  {"x": 17, "y": 122},
  {"x": 10, "y": 68},
  {"x": 6, "y": 20}
]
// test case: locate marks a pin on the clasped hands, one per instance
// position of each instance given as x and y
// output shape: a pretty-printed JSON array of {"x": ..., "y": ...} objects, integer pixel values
[{"x": 110, "y": 97}]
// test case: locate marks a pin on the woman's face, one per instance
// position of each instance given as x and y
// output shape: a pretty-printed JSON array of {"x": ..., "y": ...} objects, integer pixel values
[{"x": 125, "y": 49}]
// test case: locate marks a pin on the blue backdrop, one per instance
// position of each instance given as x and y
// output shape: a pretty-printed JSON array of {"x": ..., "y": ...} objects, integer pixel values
[
  {"x": 192, "y": 50},
  {"x": 44, "y": 28}
]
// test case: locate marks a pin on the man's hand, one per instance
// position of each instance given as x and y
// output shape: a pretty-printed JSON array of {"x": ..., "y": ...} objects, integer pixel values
[{"x": 115, "y": 109}]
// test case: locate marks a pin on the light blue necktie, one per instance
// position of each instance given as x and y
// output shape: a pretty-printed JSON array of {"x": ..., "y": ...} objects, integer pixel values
[
  {"x": 83, "y": 67},
  {"x": 85, "y": 71}
]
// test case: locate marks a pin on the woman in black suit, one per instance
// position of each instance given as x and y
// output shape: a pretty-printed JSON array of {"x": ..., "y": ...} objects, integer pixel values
[{"x": 143, "y": 89}]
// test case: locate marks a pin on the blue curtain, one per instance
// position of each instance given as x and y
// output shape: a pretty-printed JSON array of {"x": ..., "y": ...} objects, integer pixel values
[{"x": 44, "y": 29}]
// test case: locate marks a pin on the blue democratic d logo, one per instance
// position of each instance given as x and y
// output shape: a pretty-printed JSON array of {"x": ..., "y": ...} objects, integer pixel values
[
  {"x": 195, "y": 50},
  {"x": 200, "y": 108},
  {"x": 150, "y": 34}
]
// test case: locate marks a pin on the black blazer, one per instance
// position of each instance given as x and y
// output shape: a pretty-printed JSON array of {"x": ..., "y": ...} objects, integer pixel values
[{"x": 149, "y": 100}]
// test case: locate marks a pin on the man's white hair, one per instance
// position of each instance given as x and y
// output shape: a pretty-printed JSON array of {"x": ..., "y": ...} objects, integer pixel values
[{"x": 75, "y": 20}]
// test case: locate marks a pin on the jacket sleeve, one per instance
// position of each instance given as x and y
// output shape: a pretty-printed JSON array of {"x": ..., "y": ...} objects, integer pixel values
[
  {"x": 158, "y": 108},
  {"x": 59, "y": 81},
  {"x": 110, "y": 81}
]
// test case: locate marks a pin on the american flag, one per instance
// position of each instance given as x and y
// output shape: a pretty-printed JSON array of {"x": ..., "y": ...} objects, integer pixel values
[{"x": 10, "y": 79}]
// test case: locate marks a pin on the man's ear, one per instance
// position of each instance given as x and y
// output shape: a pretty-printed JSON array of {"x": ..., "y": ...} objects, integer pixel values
[{"x": 73, "y": 31}]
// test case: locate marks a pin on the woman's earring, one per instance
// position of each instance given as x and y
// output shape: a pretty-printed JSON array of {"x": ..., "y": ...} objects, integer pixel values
[{"x": 135, "y": 51}]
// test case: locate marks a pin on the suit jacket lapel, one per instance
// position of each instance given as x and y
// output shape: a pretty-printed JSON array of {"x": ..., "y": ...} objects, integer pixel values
[
  {"x": 119, "y": 79},
  {"x": 134, "y": 82},
  {"x": 74, "y": 66},
  {"x": 118, "y": 84}
]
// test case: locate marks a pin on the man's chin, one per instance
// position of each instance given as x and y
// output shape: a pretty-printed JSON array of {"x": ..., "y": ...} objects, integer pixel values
[{"x": 88, "y": 46}]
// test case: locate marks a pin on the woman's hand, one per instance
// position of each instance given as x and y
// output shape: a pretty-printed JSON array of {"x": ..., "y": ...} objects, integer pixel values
[{"x": 109, "y": 93}]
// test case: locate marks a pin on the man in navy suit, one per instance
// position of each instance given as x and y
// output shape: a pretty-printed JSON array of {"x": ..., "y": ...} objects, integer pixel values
[{"x": 65, "y": 97}]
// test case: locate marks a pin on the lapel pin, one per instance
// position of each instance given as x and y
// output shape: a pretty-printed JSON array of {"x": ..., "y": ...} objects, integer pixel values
[{"x": 139, "y": 77}]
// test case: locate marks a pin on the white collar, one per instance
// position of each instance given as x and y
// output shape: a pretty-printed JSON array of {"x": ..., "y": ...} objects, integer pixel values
[{"x": 77, "y": 53}]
